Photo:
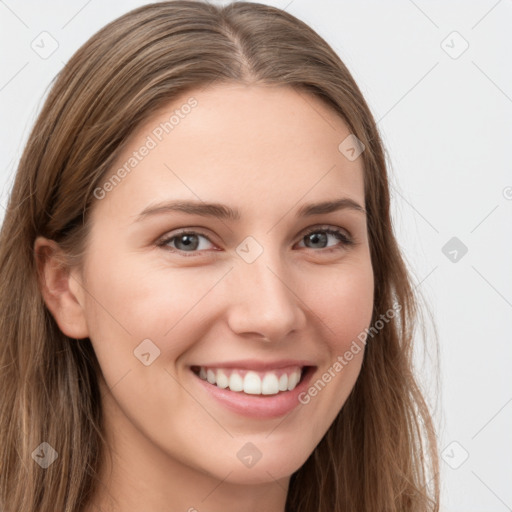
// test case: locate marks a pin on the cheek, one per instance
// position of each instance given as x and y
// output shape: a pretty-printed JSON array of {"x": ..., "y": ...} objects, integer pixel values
[
  {"x": 343, "y": 300},
  {"x": 129, "y": 301},
  {"x": 344, "y": 303}
]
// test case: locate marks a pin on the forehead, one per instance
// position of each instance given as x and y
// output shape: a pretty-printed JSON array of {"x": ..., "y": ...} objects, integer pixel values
[{"x": 247, "y": 145}]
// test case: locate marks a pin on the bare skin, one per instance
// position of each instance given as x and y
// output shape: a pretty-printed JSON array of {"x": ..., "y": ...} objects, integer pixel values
[{"x": 265, "y": 151}]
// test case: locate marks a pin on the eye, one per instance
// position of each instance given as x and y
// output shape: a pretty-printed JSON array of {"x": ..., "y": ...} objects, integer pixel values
[
  {"x": 185, "y": 241},
  {"x": 319, "y": 235},
  {"x": 190, "y": 241}
]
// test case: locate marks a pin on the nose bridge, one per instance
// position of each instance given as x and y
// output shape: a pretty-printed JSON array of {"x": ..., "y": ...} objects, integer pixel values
[{"x": 264, "y": 301}]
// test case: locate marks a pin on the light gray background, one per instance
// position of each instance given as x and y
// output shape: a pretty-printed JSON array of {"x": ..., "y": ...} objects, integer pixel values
[{"x": 446, "y": 120}]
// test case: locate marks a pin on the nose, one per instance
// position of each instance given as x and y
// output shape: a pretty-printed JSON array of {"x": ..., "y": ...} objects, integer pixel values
[{"x": 263, "y": 303}]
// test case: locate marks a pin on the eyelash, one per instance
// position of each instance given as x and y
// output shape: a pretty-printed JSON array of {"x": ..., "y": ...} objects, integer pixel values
[{"x": 345, "y": 240}]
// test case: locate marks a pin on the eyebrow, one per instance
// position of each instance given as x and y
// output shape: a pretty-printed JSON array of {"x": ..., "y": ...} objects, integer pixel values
[{"x": 222, "y": 211}]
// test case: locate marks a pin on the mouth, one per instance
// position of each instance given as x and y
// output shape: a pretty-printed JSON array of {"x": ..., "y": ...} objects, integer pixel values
[{"x": 250, "y": 382}]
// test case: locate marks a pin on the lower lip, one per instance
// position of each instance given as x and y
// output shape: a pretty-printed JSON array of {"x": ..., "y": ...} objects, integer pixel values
[{"x": 258, "y": 406}]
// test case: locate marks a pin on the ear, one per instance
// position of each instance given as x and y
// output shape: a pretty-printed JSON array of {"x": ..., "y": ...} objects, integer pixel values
[{"x": 61, "y": 288}]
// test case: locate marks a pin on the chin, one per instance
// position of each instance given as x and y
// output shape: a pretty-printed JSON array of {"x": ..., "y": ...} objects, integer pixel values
[{"x": 252, "y": 466}]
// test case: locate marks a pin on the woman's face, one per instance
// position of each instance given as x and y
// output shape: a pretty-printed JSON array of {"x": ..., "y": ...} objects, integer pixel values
[{"x": 247, "y": 299}]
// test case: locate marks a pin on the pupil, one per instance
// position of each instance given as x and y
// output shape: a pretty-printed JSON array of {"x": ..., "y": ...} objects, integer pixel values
[
  {"x": 316, "y": 237},
  {"x": 187, "y": 241}
]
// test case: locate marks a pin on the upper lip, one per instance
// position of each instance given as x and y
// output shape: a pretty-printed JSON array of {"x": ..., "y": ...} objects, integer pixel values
[{"x": 257, "y": 365}]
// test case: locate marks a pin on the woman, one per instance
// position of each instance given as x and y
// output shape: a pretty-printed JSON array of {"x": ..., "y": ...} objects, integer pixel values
[{"x": 203, "y": 305}]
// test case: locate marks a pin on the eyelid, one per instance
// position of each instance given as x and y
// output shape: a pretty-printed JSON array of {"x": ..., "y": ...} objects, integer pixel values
[{"x": 327, "y": 227}]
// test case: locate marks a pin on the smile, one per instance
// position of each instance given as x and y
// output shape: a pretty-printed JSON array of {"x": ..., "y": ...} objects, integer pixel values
[
  {"x": 251, "y": 382},
  {"x": 256, "y": 393}
]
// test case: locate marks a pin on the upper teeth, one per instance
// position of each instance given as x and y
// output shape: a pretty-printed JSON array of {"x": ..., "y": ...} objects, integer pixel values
[{"x": 251, "y": 382}]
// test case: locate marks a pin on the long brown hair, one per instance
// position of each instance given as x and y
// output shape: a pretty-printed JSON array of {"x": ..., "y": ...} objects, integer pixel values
[{"x": 380, "y": 453}]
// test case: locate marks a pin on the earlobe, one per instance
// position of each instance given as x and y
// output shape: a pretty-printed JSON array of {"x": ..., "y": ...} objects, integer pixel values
[{"x": 60, "y": 288}]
